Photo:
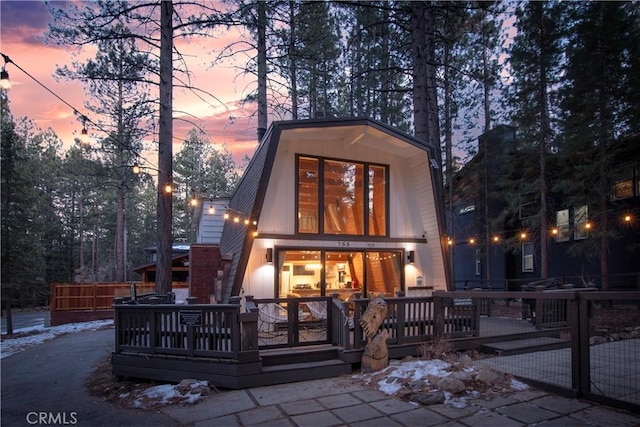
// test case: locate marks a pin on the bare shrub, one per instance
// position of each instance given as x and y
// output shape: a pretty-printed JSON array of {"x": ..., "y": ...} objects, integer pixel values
[{"x": 437, "y": 349}]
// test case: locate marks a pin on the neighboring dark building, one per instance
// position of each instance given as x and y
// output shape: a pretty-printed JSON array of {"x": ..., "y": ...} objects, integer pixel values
[{"x": 489, "y": 215}]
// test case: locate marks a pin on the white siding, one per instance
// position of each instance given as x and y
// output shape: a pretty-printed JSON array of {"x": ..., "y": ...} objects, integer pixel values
[
  {"x": 210, "y": 226},
  {"x": 412, "y": 205}
]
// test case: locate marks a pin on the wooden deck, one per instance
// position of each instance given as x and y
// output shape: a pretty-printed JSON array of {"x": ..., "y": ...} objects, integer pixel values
[{"x": 233, "y": 350}]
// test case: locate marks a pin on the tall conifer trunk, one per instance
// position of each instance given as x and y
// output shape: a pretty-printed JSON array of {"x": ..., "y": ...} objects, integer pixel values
[{"x": 165, "y": 154}]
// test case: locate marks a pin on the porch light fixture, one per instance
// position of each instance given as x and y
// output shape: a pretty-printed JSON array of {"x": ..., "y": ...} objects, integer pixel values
[
  {"x": 411, "y": 257},
  {"x": 269, "y": 256},
  {"x": 496, "y": 239},
  {"x": 627, "y": 218},
  {"x": 523, "y": 235}
]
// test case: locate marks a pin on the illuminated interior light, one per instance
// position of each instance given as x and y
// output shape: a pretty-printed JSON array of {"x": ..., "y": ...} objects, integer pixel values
[
  {"x": 496, "y": 238},
  {"x": 627, "y": 218},
  {"x": 523, "y": 235}
]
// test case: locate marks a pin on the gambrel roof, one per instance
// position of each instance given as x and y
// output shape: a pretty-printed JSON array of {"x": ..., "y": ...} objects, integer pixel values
[{"x": 248, "y": 198}]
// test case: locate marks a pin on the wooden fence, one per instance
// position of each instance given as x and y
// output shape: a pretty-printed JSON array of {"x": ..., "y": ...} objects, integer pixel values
[{"x": 76, "y": 302}]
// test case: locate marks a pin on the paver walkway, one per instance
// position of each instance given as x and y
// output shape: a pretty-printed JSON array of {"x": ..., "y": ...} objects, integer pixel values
[{"x": 341, "y": 402}]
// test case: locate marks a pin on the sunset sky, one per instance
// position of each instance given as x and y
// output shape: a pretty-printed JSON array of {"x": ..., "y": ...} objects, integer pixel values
[{"x": 23, "y": 25}]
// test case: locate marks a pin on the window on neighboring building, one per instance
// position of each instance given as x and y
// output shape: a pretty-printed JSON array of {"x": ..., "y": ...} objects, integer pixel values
[
  {"x": 580, "y": 222},
  {"x": 478, "y": 263},
  {"x": 341, "y": 197},
  {"x": 527, "y": 256},
  {"x": 528, "y": 205},
  {"x": 623, "y": 186},
  {"x": 562, "y": 224}
]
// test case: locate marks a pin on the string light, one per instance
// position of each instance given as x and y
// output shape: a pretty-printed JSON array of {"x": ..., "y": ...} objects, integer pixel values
[
  {"x": 626, "y": 218},
  {"x": 5, "y": 83}
]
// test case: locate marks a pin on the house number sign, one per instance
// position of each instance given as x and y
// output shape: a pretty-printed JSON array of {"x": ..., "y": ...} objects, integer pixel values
[
  {"x": 343, "y": 244},
  {"x": 190, "y": 317}
]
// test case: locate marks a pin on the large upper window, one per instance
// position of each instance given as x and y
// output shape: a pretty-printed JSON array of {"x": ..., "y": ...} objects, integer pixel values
[{"x": 341, "y": 197}]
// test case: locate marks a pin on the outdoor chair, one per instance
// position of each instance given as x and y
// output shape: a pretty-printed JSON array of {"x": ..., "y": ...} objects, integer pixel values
[
  {"x": 273, "y": 317},
  {"x": 318, "y": 310}
]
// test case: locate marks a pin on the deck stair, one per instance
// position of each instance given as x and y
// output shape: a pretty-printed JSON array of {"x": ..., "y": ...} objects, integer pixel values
[
  {"x": 525, "y": 345},
  {"x": 305, "y": 363}
]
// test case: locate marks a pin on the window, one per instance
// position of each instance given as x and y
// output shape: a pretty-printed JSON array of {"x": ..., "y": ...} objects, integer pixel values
[
  {"x": 528, "y": 206},
  {"x": 580, "y": 222},
  {"x": 623, "y": 187},
  {"x": 562, "y": 223},
  {"x": 304, "y": 273},
  {"x": 307, "y": 195},
  {"x": 341, "y": 197},
  {"x": 478, "y": 263},
  {"x": 527, "y": 257}
]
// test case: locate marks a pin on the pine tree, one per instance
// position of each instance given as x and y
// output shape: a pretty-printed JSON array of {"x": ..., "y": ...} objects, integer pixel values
[
  {"x": 536, "y": 62},
  {"x": 600, "y": 104}
]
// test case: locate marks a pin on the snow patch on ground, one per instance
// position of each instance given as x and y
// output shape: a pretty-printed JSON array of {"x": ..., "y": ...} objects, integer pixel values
[
  {"x": 25, "y": 338},
  {"x": 400, "y": 377},
  {"x": 167, "y": 394}
]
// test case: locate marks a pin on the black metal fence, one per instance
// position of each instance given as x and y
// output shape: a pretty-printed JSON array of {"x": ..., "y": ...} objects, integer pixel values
[{"x": 585, "y": 344}]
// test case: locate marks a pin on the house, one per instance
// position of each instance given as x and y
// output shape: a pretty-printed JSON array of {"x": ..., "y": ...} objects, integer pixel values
[
  {"x": 495, "y": 241},
  {"x": 208, "y": 219},
  {"x": 179, "y": 264},
  {"x": 336, "y": 207}
]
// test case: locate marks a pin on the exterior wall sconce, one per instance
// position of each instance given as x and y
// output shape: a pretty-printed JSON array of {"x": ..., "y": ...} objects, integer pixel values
[
  {"x": 411, "y": 257},
  {"x": 269, "y": 256}
]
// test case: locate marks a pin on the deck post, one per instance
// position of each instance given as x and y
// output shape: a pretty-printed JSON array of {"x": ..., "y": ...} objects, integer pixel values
[{"x": 438, "y": 313}]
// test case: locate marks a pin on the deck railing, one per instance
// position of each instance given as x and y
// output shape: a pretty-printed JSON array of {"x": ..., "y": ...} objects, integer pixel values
[
  {"x": 214, "y": 331},
  {"x": 584, "y": 343}
]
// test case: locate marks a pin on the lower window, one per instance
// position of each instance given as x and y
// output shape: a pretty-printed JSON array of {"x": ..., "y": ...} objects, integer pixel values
[{"x": 303, "y": 273}]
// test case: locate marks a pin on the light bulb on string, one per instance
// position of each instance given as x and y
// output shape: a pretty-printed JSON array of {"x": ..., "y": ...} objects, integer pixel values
[{"x": 5, "y": 83}]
